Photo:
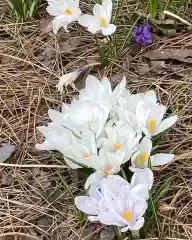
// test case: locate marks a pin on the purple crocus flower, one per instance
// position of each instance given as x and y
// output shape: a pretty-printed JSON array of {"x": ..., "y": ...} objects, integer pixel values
[{"x": 142, "y": 34}]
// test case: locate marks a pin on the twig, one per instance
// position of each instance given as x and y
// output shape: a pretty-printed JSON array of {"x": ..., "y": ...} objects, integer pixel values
[
  {"x": 32, "y": 165},
  {"x": 176, "y": 16}
]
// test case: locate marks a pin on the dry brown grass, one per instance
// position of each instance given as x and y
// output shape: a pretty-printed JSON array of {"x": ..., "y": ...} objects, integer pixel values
[{"x": 35, "y": 202}]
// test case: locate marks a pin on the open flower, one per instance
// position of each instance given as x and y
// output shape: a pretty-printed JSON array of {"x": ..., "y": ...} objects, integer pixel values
[
  {"x": 142, "y": 34},
  {"x": 64, "y": 12},
  {"x": 106, "y": 163},
  {"x": 154, "y": 123},
  {"x": 101, "y": 92},
  {"x": 113, "y": 201},
  {"x": 114, "y": 185},
  {"x": 100, "y": 20},
  {"x": 120, "y": 140},
  {"x": 80, "y": 115},
  {"x": 140, "y": 159},
  {"x": 124, "y": 211}
]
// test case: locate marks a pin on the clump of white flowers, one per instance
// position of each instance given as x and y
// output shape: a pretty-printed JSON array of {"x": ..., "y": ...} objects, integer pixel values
[
  {"x": 66, "y": 12},
  {"x": 102, "y": 130}
]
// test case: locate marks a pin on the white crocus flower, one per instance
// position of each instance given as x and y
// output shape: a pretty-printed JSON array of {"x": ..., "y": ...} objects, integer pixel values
[
  {"x": 80, "y": 115},
  {"x": 124, "y": 211},
  {"x": 64, "y": 12},
  {"x": 101, "y": 92},
  {"x": 143, "y": 176},
  {"x": 57, "y": 138},
  {"x": 140, "y": 159},
  {"x": 154, "y": 123},
  {"x": 106, "y": 163},
  {"x": 100, "y": 20},
  {"x": 93, "y": 204},
  {"x": 114, "y": 185},
  {"x": 82, "y": 149},
  {"x": 121, "y": 140},
  {"x": 67, "y": 79},
  {"x": 76, "y": 150}
]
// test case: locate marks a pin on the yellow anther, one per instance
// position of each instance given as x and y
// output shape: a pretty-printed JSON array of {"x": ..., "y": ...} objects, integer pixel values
[
  {"x": 117, "y": 147},
  {"x": 108, "y": 170},
  {"x": 127, "y": 215},
  {"x": 68, "y": 11},
  {"x": 87, "y": 155},
  {"x": 151, "y": 127},
  {"x": 141, "y": 158},
  {"x": 103, "y": 22}
]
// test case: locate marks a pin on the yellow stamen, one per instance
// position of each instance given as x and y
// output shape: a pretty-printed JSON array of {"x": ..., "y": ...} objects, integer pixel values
[
  {"x": 108, "y": 170},
  {"x": 142, "y": 158},
  {"x": 103, "y": 22},
  {"x": 117, "y": 146},
  {"x": 89, "y": 123},
  {"x": 151, "y": 126},
  {"x": 87, "y": 155},
  {"x": 127, "y": 215},
  {"x": 68, "y": 11}
]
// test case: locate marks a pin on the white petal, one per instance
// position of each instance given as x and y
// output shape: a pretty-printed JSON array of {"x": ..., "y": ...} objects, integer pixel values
[
  {"x": 140, "y": 191},
  {"x": 125, "y": 229},
  {"x": 72, "y": 164},
  {"x": 165, "y": 124},
  {"x": 150, "y": 96},
  {"x": 57, "y": 23},
  {"x": 118, "y": 90},
  {"x": 109, "y": 30},
  {"x": 90, "y": 22},
  {"x": 86, "y": 205},
  {"x": 66, "y": 79},
  {"x": 93, "y": 218},
  {"x": 56, "y": 116},
  {"x": 99, "y": 11},
  {"x": 111, "y": 218},
  {"x": 139, "y": 208},
  {"x": 93, "y": 178},
  {"x": 107, "y": 5},
  {"x": 161, "y": 159},
  {"x": 139, "y": 224},
  {"x": 144, "y": 176}
]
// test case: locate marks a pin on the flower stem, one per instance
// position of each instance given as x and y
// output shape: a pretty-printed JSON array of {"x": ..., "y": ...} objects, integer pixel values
[{"x": 118, "y": 233}]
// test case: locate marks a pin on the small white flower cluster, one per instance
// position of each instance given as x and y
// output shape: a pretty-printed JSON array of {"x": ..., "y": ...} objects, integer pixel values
[
  {"x": 103, "y": 130},
  {"x": 68, "y": 11}
]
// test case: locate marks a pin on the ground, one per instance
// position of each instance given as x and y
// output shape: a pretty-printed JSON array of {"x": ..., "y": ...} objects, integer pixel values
[{"x": 37, "y": 202}]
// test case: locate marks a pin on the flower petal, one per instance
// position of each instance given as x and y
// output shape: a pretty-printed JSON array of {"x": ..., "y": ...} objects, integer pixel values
[
  {"x": 91, "y": 22},
  {"x": 57, "y": 24},
  {"x": 107, "y": 5},
  {"x": 161, "y": 159},
  {"x": 86, "y": 205},
  {"x": 109, "y": 30},
  {"x": 140, "y": 191},
  {"x": 99, "y": 11},
  {"x": 150, "y": 96},
  {"x": 111, "y": 218},
  {"x": 165, "y": 124},
  {"x": 93, "y": 178},
  {"x": 119, "y": 90},
  {"x": 139, "y": 224},
  {"x": 144, "y": 176}
]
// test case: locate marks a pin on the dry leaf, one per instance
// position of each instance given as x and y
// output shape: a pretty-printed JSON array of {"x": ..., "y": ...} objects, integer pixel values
[
  {"x": 182, "y": 55},
  {"x": 5, "y": 151},
  {"x": 46, "y": 25}
]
